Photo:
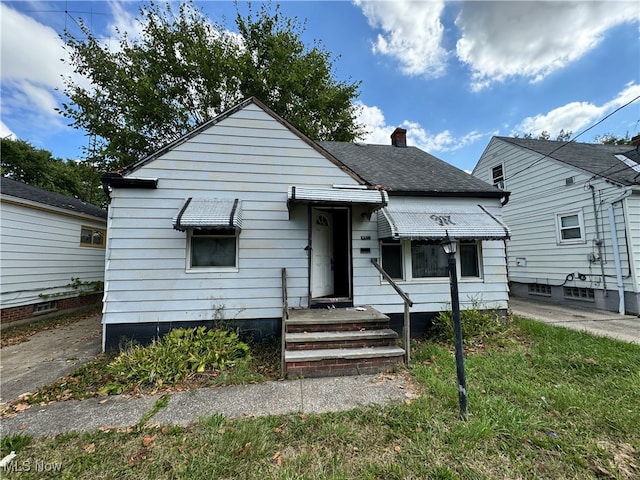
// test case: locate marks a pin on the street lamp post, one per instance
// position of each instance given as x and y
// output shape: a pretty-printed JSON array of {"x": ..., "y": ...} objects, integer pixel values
[{"x": 450, "y": 245}]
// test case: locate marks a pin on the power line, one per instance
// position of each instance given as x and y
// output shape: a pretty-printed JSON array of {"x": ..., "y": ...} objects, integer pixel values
[{"x": 574, "y": 138}]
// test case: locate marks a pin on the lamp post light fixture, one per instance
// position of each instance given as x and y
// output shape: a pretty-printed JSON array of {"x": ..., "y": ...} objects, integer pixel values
[{"x": 450, "y": 246}]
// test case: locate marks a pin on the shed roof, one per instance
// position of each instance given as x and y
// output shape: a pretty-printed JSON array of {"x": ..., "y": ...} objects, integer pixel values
[
  {"x": 407, "y": 170},
  {"x": 17, "y": 189},
  {"x": 595, "y": 158}
]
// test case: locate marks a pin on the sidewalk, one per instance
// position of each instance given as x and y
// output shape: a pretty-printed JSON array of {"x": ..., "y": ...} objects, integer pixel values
[{"x": 316, "y": 395}]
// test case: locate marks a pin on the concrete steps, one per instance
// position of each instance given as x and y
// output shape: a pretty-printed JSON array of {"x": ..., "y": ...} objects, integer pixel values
[{"x": 338, "y": 342}]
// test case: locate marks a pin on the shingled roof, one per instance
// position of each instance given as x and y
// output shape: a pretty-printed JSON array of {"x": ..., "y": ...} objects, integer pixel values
[
  {"x": 407, "y": 170},
  {"x": 597, "y": 159},
  {"x": 17, "y": 189}
]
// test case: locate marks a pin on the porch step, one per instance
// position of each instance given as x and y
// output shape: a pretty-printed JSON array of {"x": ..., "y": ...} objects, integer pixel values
[
  {"x": 342, "y": 361},
  {"x": 339, "y": 341}
]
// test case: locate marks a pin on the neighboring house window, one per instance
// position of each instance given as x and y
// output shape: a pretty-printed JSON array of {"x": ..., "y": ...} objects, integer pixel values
[
  {"x": 44, "y": 307},
  {"x": 92, "y": 237},
  {"x": 392, "y": 258},
  {"x": 579, "y": 293},
  {"x": 539, "y": 289},
  {"x": 497, "y": 175},
  {"x": 570, "y": 227},
  {"x": 423, "y": 259},
  {"x": 213, "y": 249}
]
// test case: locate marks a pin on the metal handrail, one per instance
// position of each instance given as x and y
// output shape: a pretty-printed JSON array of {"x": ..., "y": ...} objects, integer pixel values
[
  {"x": 285, "y": 316},
  {"x": 406, "y": 327}
]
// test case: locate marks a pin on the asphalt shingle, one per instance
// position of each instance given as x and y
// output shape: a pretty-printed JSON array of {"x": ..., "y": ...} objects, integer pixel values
[
  {"x": 28, "y": 192},
  {"x": 595, "y": 158},
  {"x": 406, "y": 169}
]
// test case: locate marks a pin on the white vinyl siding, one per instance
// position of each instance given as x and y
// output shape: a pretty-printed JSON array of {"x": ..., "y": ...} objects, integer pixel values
[
  {"x": 41, "y": 253},
  {"x": 249, "y": 156},
  {"x": 538, "y": 194}
]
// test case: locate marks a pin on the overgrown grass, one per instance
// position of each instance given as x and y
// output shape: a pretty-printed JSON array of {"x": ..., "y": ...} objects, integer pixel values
[
  {"x": 545, "y": 403},
  {"x": 179, "y": 361}
]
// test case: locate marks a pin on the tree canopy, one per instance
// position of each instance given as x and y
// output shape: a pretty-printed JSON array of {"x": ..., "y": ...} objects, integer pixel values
[
  {"x": 184, "y": 70},
  {"x": 23, "y": 162}
]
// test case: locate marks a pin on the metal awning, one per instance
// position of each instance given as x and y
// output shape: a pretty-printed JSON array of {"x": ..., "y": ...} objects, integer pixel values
[
  {"x": 337, "y": 196},
  {"x": 209, "y": 213},
  {"x": 434, "y": 222}
]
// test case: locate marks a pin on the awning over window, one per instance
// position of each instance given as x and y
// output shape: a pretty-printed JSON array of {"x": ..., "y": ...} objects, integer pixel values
[
  {"x": 209, "y": 213},
  {"x": 337, "y": 196},
  {"x": 433, "y": 223}
]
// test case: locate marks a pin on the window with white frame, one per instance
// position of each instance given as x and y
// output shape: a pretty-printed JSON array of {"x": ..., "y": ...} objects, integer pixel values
[
  {"x": 469, "y": 259},
  {"x": 570, "y": 227},
  {"x": 213, "y": 249},
  {"x": 391, "y": 251},
  {"x": 423, "y": 259},
  {"x": 497, "y": 176}
]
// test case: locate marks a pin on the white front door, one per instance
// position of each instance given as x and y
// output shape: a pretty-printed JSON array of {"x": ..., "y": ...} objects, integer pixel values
[{"x": 321, "y": 254}]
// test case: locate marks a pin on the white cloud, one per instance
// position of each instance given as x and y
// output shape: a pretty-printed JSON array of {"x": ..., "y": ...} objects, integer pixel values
[
  {"x": 532, "y": 39},
  {"x": 575, "y": 116},
  {"x": 379, "y": 132},
  {"x": 412, "y": 34}
]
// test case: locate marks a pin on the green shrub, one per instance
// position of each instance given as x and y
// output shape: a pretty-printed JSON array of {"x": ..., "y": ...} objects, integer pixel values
[
  {"x": 177, "y": 355},
  {"x": 476, "y": 325}
]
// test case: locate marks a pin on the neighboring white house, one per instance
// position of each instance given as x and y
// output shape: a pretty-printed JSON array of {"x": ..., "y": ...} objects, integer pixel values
[
  {"x": 52, "y": 251},
  {"x": 574, "y": 214},
  {"x": 202, "y": 229}
]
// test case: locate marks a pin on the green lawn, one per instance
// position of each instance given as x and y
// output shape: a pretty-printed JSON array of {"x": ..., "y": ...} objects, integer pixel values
[{"x": 544, "y": 402}]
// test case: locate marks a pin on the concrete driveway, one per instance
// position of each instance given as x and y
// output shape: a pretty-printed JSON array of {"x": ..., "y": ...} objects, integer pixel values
[
  {"x": 47, "y": 356},
  {"x": 597, "y": 322}
]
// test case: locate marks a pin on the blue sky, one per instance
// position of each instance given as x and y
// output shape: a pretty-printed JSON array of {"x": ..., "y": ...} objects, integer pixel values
[{"x": 452, "y": 73}]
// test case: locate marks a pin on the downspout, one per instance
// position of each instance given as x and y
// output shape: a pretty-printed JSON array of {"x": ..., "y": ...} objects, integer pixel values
[
  {"x": 616, "y": 257},
  {"x": 616, "y": 252},
  {"x": 598, "y": 241}
]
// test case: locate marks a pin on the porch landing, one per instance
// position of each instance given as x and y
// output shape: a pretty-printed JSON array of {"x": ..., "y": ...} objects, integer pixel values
[{"x": 338, "y": 342}]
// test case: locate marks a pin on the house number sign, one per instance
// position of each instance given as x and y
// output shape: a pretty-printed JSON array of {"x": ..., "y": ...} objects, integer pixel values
[{"x": 442, "y": 220}]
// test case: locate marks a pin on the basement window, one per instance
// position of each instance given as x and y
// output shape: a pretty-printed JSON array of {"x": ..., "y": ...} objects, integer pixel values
[
  {"x": 539, "y": 289},
  {"x": 44, "y": 307},
  {"x": 579, "y": 293}
]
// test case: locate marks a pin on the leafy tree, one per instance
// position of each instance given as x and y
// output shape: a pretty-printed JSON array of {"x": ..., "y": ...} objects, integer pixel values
[
  {"x": 545, "y": 135},
  {"x": 35, "y": 166},
  {"x": 185, "y": 70},
  {"x": 611, "y": 139}
]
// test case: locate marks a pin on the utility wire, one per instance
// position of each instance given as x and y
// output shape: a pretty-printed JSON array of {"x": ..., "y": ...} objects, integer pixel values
[{"x": 574, "y": 138}]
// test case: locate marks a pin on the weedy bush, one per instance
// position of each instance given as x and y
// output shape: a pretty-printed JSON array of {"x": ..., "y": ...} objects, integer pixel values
[
  {"x": 477, "y": 324},
  {"x": 171, "y": 359}
]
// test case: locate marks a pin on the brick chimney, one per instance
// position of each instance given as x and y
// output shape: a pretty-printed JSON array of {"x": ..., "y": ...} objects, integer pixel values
[{"x": 399, "y": 137}]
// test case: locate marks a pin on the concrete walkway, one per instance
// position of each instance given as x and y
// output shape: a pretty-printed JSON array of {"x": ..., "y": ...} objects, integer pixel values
[
  {"x": 47, "y": 356},
  {"x": 315, "y": 395},
  {"x": 597, "y": 322}
]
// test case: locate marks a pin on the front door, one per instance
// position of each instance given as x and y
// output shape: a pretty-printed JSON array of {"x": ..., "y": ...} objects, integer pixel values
[{"x": 322, "y": 278}]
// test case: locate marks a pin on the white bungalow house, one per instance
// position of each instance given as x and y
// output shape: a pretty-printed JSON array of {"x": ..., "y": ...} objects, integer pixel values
[
  {"x": 52, "y": 252},
  {"x": 574, "y": 214},
  {"x": 202, "y": 230}
]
